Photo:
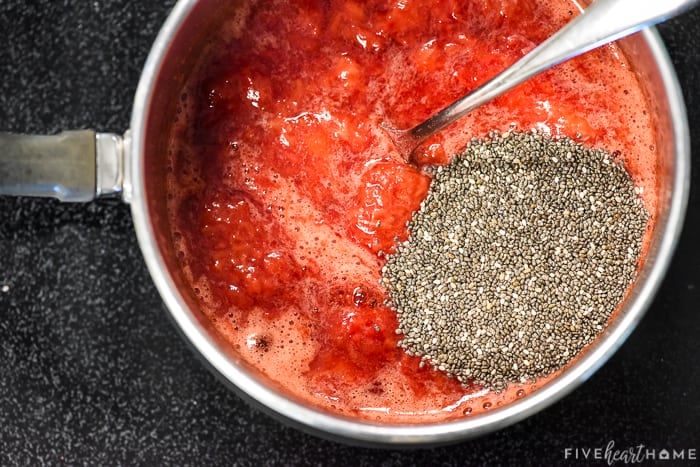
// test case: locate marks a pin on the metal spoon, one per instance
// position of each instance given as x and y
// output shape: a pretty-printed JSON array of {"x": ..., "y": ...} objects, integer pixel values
[{"x": 602, "y": 22}]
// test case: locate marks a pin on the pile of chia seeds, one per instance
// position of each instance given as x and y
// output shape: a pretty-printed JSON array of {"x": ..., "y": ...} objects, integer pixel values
[{"x": 522, "y": 249}]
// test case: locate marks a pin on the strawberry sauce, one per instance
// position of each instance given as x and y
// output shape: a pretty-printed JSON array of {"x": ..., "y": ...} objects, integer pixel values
[{"x": 285, "y": 193}]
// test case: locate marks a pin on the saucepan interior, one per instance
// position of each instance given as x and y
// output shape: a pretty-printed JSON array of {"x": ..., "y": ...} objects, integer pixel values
[{"x": 178, "y": 46}]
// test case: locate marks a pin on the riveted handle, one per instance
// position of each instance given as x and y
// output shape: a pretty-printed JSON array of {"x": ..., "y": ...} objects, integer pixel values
[{"x": 75, "y": 166}]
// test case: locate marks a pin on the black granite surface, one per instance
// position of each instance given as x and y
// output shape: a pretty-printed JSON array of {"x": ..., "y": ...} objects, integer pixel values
[{"x": 92, "y": 372}]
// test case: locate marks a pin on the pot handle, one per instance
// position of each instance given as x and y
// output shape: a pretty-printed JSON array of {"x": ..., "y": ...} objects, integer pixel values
[{"x": 74, "y": 166}]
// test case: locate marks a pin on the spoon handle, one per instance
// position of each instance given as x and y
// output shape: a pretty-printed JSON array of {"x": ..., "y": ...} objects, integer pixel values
[{"x": 602, "y": 22}]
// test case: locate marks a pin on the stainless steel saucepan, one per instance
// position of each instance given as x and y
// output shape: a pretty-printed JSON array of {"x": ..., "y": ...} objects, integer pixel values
[{"x": 83, "y": 165}]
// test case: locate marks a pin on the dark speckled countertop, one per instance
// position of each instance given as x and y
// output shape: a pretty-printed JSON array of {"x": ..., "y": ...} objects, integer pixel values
[{"x": 92, "y": 372}]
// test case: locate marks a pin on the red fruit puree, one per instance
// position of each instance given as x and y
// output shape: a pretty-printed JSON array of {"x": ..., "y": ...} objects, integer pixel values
[{"x": 285, "y": 191}]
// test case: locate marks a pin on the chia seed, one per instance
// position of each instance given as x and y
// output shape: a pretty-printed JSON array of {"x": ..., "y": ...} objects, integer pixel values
[{"x": 517, "y": 257}]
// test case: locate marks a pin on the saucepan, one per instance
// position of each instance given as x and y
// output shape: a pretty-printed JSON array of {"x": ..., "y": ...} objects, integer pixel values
[{"x": 83, "y": 165}]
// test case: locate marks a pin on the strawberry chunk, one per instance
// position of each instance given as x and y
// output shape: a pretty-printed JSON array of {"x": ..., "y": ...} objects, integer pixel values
[
  {"x": 431, "y": 154},
  {"x": 244, "y": 252},
  {"x": 359, "y": 340},
  {"x": 429, "y": 58},
  {"x": 389, "y": 194}
]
